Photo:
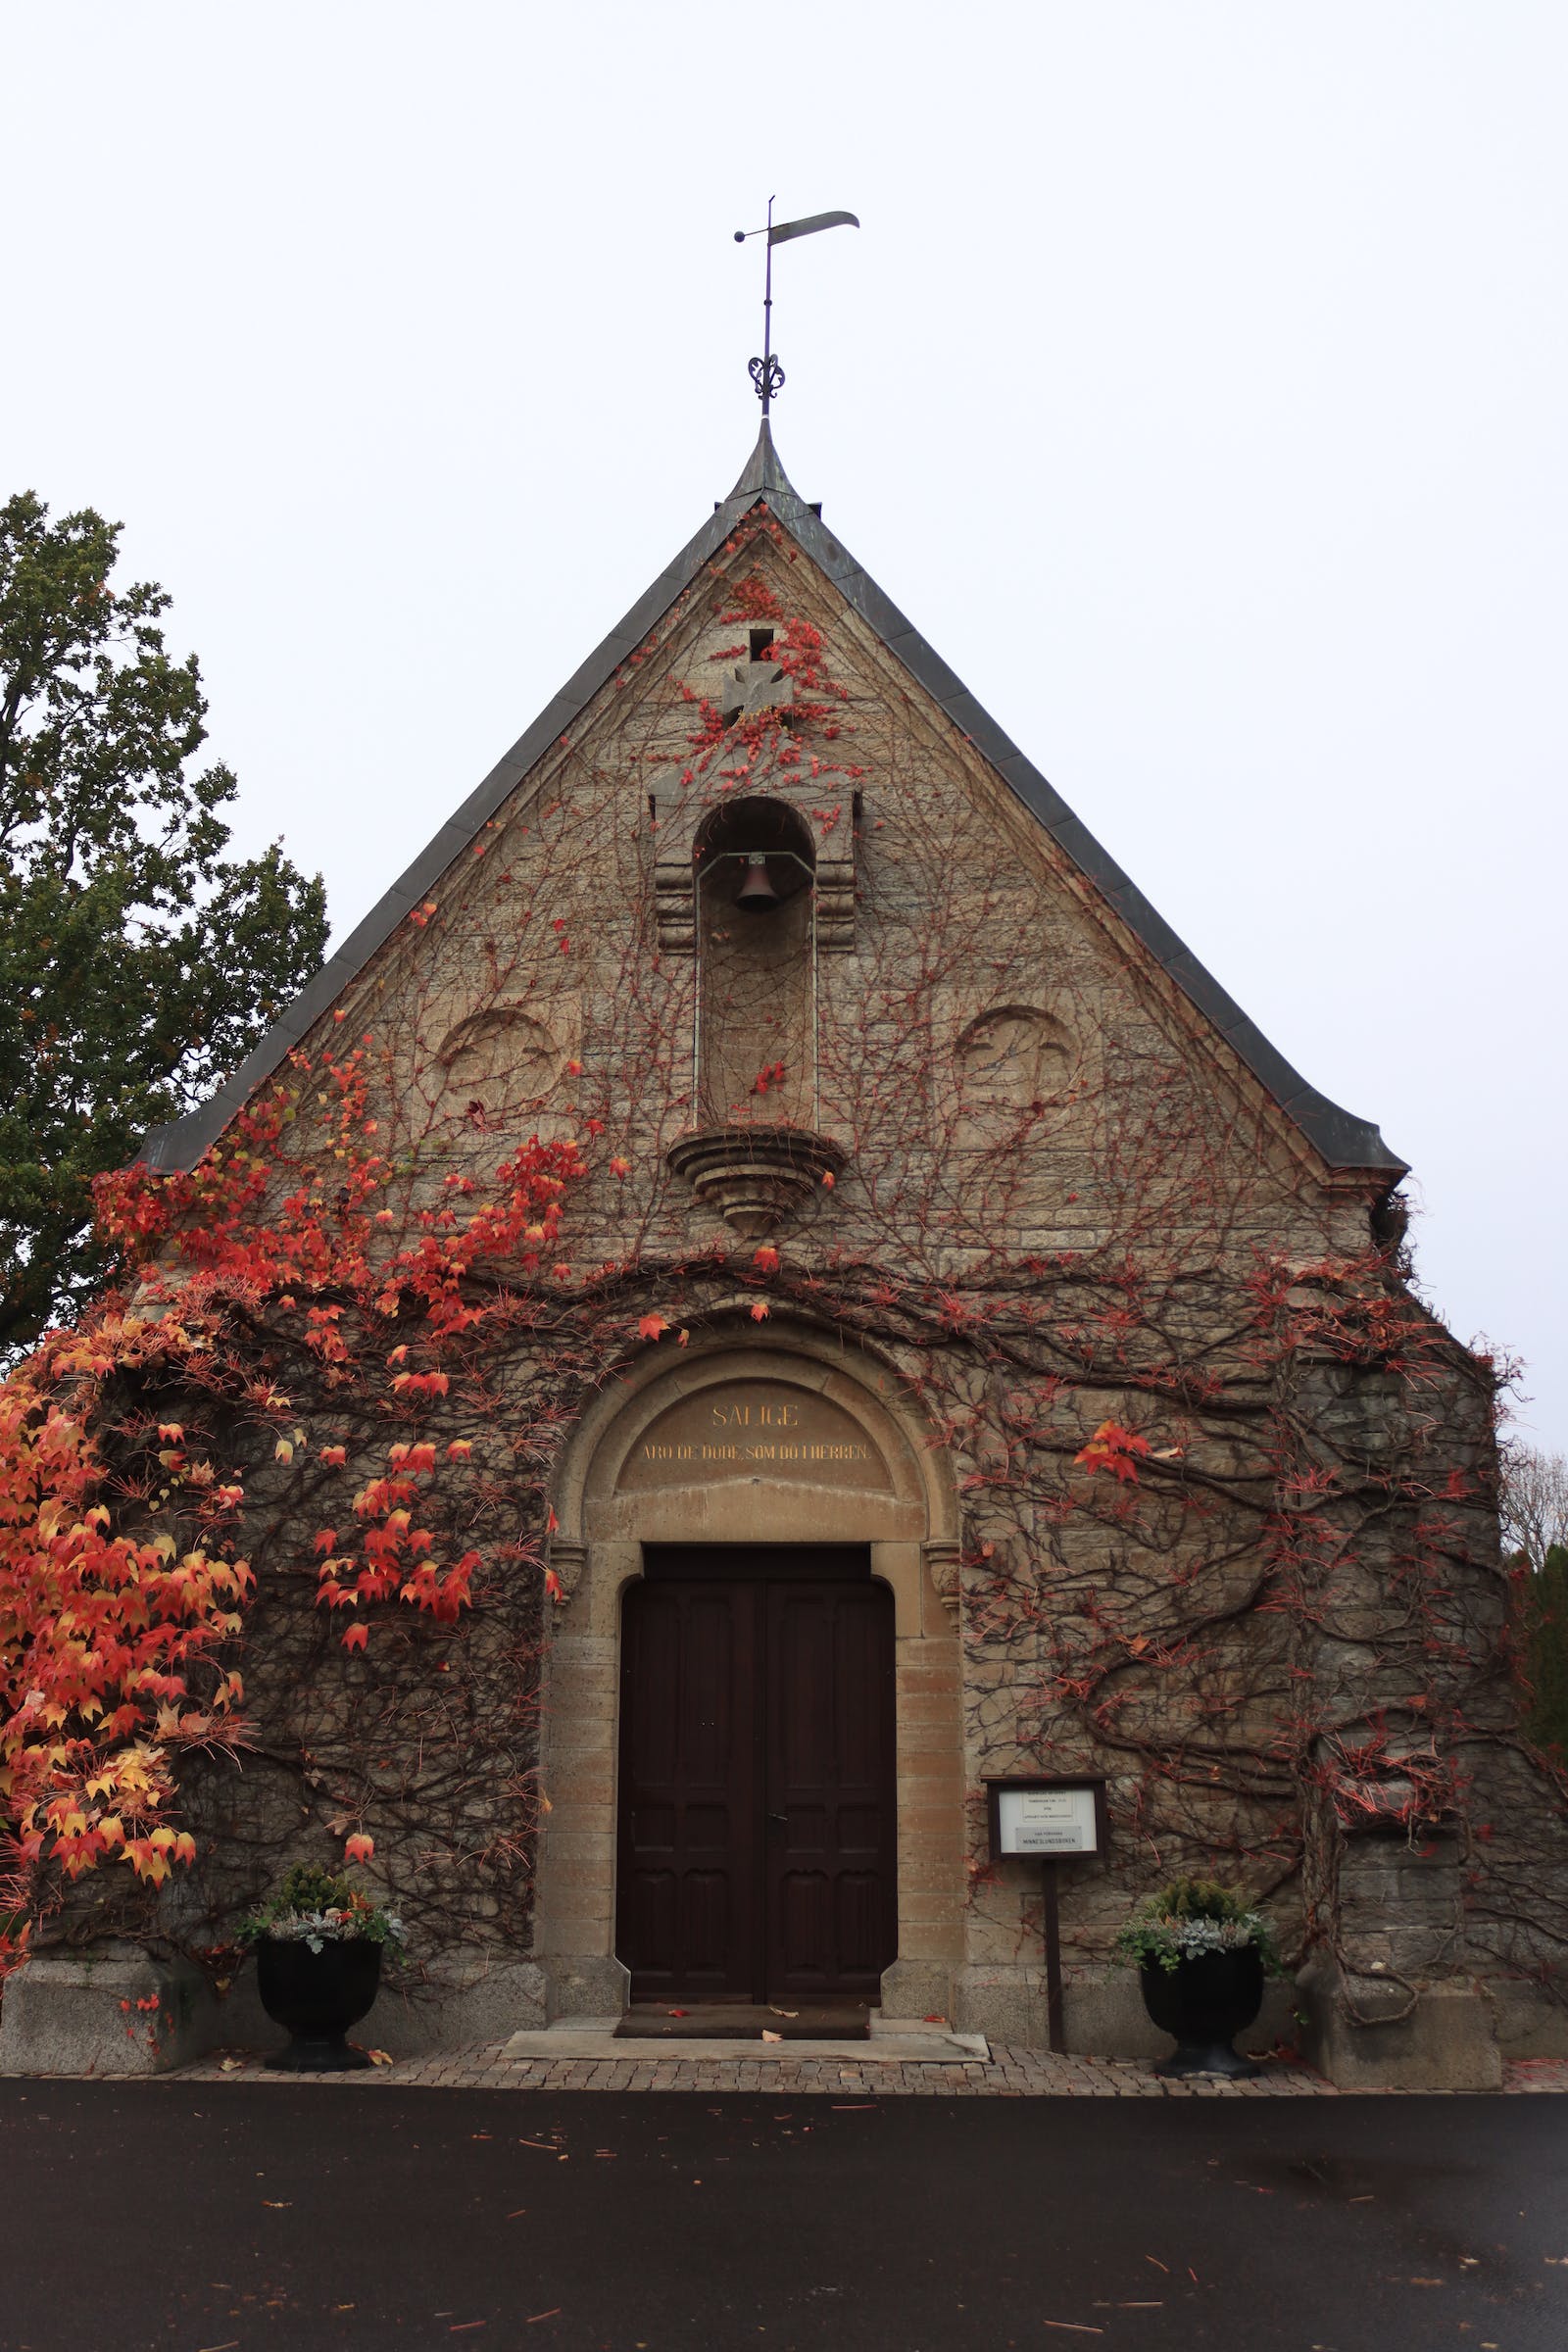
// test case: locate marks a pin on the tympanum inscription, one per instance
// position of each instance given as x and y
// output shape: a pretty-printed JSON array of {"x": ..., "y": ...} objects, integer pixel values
[{"x": 751, "y": 1429}]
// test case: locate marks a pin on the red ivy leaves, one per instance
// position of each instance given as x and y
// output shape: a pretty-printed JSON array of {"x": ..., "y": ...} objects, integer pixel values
[
  {"x": 1113, "y": 1448},
  {"x": 112, "y": 1628}
]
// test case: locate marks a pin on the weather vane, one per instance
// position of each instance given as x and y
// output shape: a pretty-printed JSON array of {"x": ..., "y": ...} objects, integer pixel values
[{"x": 767, "y": 374}]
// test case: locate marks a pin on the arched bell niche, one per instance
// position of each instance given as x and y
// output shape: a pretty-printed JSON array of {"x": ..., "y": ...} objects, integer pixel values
[
  {"x": 801, "y": 1443},
  {"x": 755, "y": 874}
]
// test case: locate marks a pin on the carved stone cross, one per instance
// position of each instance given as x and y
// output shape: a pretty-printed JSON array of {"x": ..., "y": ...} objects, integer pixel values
[{"x": 755, "y": 686}]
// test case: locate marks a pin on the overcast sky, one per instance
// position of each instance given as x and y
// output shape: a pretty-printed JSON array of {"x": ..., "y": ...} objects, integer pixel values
[{"x": 1195, "y": 383}]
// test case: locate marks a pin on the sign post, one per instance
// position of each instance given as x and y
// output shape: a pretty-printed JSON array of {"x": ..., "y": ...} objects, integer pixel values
[
  {"x": 1055, "y": 2034},
  {"x": 1051, "y": 1819}
]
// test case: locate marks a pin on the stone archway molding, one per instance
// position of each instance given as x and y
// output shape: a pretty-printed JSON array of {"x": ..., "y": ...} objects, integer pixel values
[{"x": 792, "y": 1438}]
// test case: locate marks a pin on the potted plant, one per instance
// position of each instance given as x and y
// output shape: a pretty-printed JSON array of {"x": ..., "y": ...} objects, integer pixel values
[
  {"x": 319, "y": 1946},
  {"x": 1200, "y": 1951}
]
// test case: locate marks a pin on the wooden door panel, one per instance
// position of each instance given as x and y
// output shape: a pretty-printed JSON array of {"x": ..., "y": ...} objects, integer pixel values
[
  {"x": 688, "y": 1908},
  {"x": 756, "y": 1852},
  {"x": 832, "y": 1890},
  {"x": 803, "y": 1926},
  {"x": 860, "y": 1924},
  {"x": 706, "y": 1923}
]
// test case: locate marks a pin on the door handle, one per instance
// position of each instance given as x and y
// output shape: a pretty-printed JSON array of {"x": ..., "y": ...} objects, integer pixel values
[{"x": 781, "y": 1818}]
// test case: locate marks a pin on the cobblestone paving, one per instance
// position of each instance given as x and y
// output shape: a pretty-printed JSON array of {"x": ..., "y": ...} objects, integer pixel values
[{"x": 1011, "y": 2074}]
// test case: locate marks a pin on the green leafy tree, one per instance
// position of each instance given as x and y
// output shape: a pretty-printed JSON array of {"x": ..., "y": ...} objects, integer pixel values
[{"x": 137, "y": 963}]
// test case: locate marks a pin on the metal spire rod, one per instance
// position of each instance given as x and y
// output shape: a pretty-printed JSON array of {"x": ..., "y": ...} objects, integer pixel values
[{"x": 768, "y": 373}]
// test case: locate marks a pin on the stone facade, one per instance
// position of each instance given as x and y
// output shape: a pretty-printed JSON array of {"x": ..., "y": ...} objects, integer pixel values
[{"x": 1022, "y": 1183}]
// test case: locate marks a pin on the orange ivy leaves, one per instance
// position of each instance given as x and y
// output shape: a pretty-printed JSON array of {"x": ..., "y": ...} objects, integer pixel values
[
  {"x": 110, "y": 1621},
  {"x": 100, "y": 1629}
]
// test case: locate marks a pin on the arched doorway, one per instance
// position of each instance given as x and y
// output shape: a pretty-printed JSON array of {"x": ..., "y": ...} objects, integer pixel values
[{"x": 763, "y": 1529}]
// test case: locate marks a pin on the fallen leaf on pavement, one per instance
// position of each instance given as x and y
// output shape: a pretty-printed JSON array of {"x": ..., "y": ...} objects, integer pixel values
[
  {"x": 381, "y": 2058},
  {"x": 767, "y": 2037}
]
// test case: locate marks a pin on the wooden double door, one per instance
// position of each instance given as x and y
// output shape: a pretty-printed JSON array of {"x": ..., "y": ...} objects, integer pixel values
[{"x": 757, "y": 1858}]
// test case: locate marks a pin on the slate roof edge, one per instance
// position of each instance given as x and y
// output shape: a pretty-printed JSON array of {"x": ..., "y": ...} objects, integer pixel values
[{"x": 1343, "y": 1140}]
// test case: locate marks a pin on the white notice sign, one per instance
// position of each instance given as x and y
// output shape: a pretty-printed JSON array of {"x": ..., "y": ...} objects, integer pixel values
[{"x": 1047, "y": 1820}]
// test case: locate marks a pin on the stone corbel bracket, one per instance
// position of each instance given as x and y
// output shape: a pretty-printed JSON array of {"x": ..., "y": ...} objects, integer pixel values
[
  {"x": 945, "y": 1566},
  {"x": 567, "y": 1561},
  {"x": 835, "y": 905},
  {"x": 675, "y": 903},
  {"x": 755, "y": 1178},
  {"x": 675, "y": 877}
]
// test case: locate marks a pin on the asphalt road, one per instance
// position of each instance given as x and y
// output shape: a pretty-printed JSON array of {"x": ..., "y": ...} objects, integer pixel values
[{"x": 170, "y": 2217}]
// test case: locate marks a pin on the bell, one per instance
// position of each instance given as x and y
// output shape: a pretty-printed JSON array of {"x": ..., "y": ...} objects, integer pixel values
[{"x": 757, "y": 893}]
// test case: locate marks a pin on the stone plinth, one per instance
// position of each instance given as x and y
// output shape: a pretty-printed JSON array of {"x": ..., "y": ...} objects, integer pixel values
[
  {"x": 1447, "y": 2042},
  {"x": 107, "y": 2010}
]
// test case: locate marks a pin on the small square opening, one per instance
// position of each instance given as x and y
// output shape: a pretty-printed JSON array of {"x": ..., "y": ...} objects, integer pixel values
[{"x": 761, "y": 641}]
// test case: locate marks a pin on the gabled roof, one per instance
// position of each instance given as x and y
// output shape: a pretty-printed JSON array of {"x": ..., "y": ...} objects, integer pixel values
[{"x": 1343, "y": 1140}]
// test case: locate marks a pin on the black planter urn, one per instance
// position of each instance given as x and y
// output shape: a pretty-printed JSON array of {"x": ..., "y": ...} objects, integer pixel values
[
  {"x": 1204, "y": 2003},
  {"x": 318, "y": 1996}
]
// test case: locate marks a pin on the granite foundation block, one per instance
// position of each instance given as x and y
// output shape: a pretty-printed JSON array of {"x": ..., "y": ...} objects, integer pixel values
[
  {"x": 105, "y": 2010},
  {"x": 1448, "y": 2040}
]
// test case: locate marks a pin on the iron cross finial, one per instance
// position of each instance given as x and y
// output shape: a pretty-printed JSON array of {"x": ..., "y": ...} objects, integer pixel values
[{"x": 768, "y": 373}]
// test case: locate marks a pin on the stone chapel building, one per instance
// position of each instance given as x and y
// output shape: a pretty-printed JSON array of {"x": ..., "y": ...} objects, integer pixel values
[{"x": 976, "y": 1355}]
